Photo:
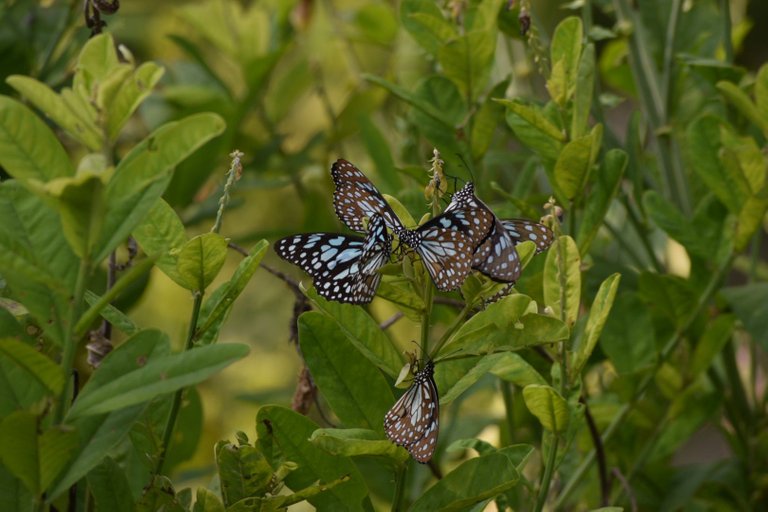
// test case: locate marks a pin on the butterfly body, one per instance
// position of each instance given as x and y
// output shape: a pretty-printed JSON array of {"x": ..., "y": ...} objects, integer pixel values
[
  {"x": 413, "y": 422},
  {"x": 344, "y": 267}
]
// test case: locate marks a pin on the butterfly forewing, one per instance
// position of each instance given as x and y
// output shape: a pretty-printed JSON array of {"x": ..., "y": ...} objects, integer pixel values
[
  {"x": 413, "y": 421},
  {"x": 497, "y": 257},
  {"x": 356, "y": 198}
]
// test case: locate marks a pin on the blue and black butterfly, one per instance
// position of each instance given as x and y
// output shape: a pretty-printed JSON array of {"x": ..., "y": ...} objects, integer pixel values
[
  {"x": 445, "y": 243},
  {"x": 344, "y": 268},
  {"x": 413, "y": 422},
  {"x": 496, "y": 256}
]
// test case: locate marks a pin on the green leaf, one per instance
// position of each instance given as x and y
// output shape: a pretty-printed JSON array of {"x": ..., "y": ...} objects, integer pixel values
[
  {"x": 159, "y": 376},
  {"x": 507, "y": 365},
  {"x": 79, "y": 127},
  {"x": 159, "y": 495},
  {"x": 489, "y": 116},
  {"x": 415, "y": 101},
  {"x": 583, "y": 93},
  {"x": 28, "y": 148},
  {"x": 750, "y": 304},
  {"x": 142, "y": 176},
  {"x": 378, "y": 147},
  {"x": 201, "y": 259},
  {"x": 289, "y": 431},
  {"x": 426, "y": 24},
  {"x": 79, "y": 200},
  {"x": 96, "y": 60},
  {"x": 207, "y": 501},
  {"x": 363, "y": 332},
  {"x": 634, "y": 352},
  {"x": 352, "y": 442},
  {"x": 744, "y": 104},
  {"x": 573, "y": 164},
  {"x": 34, "y": 458},
  {"x": 534, "y": 129},
  {"x": 338, "y": 369},
  {"x": 111, "y": 314},
  {"x": 718, "y": 332},
  {"x": 761, "y": 97},
  {"x": 161, "y": 234},
  {"x": 475, "y": 480},
  {"x": 467, "y": 60},
  {"x": 131, "y": 93},
  {"x": 243, "y": 471},
  {"x": 562, "y": 279},
  {"x": 604, "y": 190},
  {"x": 44, "y": 371},
  {"x": 100, "y": 434},
  {"x": 220, "y": 304},
  {"x": 13, "y": 493},
  {"x": 548, "y": 406},
  {"x": 109, "y": 487},
  {"x": 565, "y": 51},
  {"x": 35, "y": 259},
  {"x": 598, "y": 315}
]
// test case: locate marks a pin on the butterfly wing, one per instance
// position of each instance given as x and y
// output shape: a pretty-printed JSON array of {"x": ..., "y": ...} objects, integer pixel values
[
  {"x": 521, "y": 230},
  {"x": 356, "y": 198},
  {"x": 413, "y": 422},
  {"x": 497, "y": 257},
  {"x": 333, "y": 260}
]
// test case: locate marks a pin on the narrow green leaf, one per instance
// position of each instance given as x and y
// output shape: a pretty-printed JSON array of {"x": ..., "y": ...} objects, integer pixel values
[
  {"x": 718, "y": 332},
  {"x": 143, "y": 175},
  {"x": 161, "y": 234},
  {"x": 750, "y": 304},
  {"x": 475, "y": 480},
  {"x": 761, "y": 96},
  {"x": 488, "y": 118},
  {"x": 44, "y": 371},
  {"x": 548, "y": 406},
  {"x": 159, "y": 376},
  {"x": 565, "y": 51},
  {"x": 410, "y": 98},
  {"x": 426, "y": 24},
  {"x": 743, "y": 104},
  {"x": 132, "y": 92},
  {"x": 28, "y": 148},
  {"x": 109, "y": 486},
  {"x": 338, "y": 369},
  {"x": 19, "y": 450},
  {"x": 534, "y": 129},
  {"x": 604, "y": 190},
  {"x": 573, "y": 165},
  {"x": 13, "y": 493},
  {"x": 363, "y": 332},
  {"x": 111, "y": 314},
  {"x": 598, "y": 314},
  {"x": 562, "y": 279},
  {"x": 219, "y": 305},
  {"x": 583, "y": 93},
  {"x": 381, "y": 154},
  {"x": 289, "y": 432},
  {"x": 57, "y": 110},
  {"x": 243, "y": 471},
  {"x": 351, "y": 442},
  {"x": 201, "y": 259}
]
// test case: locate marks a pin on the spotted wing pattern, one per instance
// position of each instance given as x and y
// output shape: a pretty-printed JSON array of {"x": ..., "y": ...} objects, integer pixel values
[
  {"x": 413, "y": 421},
  {"x": 521, "y": 230},
  {"x": 356, "y": 198},
  {"x": 344, "y": 267}
]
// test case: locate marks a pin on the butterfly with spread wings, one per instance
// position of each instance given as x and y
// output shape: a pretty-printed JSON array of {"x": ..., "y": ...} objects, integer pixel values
[
  {"x": 445, "y": 243},
  {"x": 497, "y": 257},
  {"x": 344, "y": 267},
  {"x": 413, "y": 422}
]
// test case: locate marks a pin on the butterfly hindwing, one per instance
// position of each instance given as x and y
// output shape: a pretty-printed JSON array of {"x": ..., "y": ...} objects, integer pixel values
[
  {"x": 413, "y": 422},
  {"x": 521, "y": 230},
  {"x": 344, "y": 267}
]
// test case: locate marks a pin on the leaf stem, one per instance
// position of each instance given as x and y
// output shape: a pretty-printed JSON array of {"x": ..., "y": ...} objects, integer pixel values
[
  {"x": 668, "y": 348},
  {"x": 457, "y": 322},
  {"x": 548, "y": 471},
  {"x": 72, "y": 339},
  {"x": 176, "y": 403}
]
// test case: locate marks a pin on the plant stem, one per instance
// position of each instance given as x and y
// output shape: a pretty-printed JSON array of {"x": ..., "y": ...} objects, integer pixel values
[
  {"x": 668, "y": 348},
  {"x": 506, "y": 393},
  {"x": 71, "y": 341},
  {"x": 725, "y": 15},
  {"x": 548, "y": 471},
  {"x": 176, "y": 403},
  {"x": 457, "y": 322},
  {"x": 429, "y": 292},
  {"x": 599, "y": 453},
  {"x": 397, "y": 500}
]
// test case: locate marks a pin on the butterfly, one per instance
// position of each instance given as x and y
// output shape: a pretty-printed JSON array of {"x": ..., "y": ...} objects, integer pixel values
[
  {"x": 344, "y": 267},
  {"x": 413, "y": 421},
  {"x": 445, "y": 243},
  {"x": 496, "y": 256}
]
